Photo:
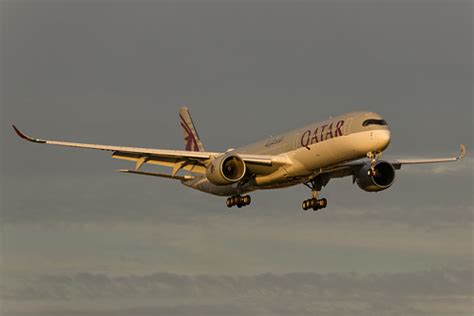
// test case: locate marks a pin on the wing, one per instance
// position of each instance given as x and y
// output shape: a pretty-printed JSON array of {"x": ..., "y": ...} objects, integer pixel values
[
  {"x": 350, "y": 168},
  {"x": 193, "y": 161},
  {"x": 398, "y": 163}
]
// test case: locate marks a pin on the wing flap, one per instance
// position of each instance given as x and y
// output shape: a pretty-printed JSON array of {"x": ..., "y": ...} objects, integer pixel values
[
  {"x": 161, "y": 175},
  {"x": 190, "y": 165}
]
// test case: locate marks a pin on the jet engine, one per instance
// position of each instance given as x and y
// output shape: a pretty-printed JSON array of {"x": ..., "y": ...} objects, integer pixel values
[
  {"x": 226, "y": 169},
  {"x": 382, "y": 177}
]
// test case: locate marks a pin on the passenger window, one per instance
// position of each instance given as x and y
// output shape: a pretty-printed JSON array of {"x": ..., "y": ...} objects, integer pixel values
[{"x": 374, "y": 122}]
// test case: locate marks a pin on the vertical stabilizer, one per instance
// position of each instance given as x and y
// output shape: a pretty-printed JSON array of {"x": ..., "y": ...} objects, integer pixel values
[{"x": 191, "y": 137}]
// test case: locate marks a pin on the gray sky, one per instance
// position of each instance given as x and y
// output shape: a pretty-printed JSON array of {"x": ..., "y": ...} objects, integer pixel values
[{"x": 79, "y": 239}]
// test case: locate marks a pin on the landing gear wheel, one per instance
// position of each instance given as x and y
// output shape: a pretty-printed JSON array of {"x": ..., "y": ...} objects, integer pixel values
[
  {"x": 246, "y": 200},
  {"x": 323, "y": 203},
  {"x": 238, "y": 201},
  {"x": 315, "y": 204},
  {"x": 304, "y": 206},
  {"x": 315, "y": 185}
]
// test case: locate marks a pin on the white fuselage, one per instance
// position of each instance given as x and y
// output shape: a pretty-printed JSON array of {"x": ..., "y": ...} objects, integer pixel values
[{"x": 306, "y": 151}]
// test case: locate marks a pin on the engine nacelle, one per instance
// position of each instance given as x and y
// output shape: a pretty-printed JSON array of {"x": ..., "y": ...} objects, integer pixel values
[
  {"x": 383, "y": 178},
  {"x": 226, "y": 169}
]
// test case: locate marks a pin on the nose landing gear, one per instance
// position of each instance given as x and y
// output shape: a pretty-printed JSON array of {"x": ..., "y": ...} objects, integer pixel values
[
  {"x": 238, "y": 200},
  {"x": 373, "y": 156}
]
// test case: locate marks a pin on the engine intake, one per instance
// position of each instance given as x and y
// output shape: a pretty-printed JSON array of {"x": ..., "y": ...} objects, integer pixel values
[
  {"x": 226, "y": 169},
  {"x": 381, "y": 180}
]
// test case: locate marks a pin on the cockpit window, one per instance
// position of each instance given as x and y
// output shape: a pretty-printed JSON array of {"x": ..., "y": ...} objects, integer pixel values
[{"x": 374, "y": 122}]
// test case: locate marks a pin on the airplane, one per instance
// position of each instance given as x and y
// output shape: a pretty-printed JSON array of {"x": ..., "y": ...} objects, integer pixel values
[{"x": 347, "y": 145}]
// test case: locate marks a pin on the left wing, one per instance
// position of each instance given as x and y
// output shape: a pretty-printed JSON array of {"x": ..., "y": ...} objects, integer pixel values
[
  {"x": 398, "y": 163},
  {"x": 194, "y": 161}
]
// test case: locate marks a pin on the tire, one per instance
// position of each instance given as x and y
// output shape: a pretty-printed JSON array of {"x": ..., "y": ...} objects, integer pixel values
[
  {"x": 324, "y": 203},
  {"x": 304, "y": 205},
  {"x": 248, "y": 200}
]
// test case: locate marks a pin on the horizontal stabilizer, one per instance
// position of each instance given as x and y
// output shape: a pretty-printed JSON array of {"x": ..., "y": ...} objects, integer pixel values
[{"x": 181, "y": 178}]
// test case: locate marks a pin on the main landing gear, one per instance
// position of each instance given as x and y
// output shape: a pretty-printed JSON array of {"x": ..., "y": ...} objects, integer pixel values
[
  {"x": 238, "y": 200},
  {"x": 314, "y": 203}
]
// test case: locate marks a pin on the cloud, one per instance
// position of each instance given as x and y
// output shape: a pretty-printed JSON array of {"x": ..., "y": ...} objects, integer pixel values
[
  {"x": 409, "y": 293},
  {"x": 434, "y": 282}
]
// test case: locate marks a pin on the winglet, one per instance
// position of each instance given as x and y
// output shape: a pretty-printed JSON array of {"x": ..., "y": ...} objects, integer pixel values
[
  {"x": 28, "y": 138},
  {"x": 463, "y": 152}
]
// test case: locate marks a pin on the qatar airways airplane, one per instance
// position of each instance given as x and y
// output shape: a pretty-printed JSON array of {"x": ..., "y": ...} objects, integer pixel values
[{"x": 346, "y": 145}]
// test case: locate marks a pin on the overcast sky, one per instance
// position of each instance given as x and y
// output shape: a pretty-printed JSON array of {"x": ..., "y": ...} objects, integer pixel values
[{"x": 78, "y": 238}]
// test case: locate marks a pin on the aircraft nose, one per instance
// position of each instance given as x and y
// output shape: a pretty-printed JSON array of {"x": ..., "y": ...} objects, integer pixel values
[{"x": 383, "y": 138}]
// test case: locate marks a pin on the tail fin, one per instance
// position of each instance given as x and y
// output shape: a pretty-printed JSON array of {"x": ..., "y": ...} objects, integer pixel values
[{"x": 191, "y": 137}]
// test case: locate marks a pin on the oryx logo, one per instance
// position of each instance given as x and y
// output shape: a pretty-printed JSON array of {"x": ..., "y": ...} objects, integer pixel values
[{"x": 190, "y": 137}]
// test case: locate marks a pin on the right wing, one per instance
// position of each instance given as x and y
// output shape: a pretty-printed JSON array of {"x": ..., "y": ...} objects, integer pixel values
[{"x": 194, "y": 161}]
